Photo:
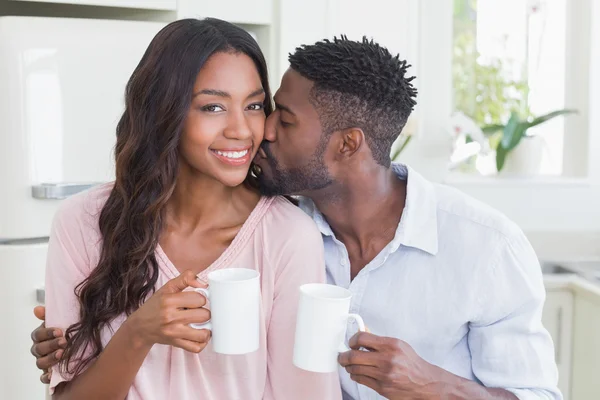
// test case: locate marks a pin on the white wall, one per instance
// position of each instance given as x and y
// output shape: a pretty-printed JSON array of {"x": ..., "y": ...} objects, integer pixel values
[{"x": 391, "y": 23}]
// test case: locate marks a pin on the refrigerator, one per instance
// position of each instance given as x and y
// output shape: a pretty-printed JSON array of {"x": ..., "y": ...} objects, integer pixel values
[{"x": 62, "y": 83}]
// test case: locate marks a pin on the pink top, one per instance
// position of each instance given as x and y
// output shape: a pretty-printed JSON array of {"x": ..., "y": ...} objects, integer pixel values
[{"x": 278, "y": 240}]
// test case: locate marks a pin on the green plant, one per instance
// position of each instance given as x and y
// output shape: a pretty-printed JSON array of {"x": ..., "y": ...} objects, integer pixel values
[
  {"x": 483, "y": 90},
  {"x": 399, "y": 146},
  {"x": 504, "y": 138}
]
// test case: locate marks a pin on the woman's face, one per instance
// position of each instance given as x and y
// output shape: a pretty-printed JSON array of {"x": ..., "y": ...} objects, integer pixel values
[{"x": 225, "y": 123}]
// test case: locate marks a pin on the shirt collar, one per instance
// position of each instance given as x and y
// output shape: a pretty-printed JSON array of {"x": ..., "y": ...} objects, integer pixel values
[{"x": 418, "y": 225}]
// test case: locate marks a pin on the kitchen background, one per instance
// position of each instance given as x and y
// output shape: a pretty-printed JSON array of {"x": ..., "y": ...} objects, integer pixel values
[{"x": 506, "y": 93}]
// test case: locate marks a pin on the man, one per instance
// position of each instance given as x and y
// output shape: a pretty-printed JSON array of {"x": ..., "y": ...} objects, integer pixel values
[{"x": 450, "y": 289}]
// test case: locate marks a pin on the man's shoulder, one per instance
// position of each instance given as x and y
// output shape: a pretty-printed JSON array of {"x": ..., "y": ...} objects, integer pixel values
[{"x": 460, "y": 212}]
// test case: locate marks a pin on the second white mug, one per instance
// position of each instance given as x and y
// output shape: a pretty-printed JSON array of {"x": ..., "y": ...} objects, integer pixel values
[
  {"x": 234, "y": 295},
  {"x": 323, "y": 315}
]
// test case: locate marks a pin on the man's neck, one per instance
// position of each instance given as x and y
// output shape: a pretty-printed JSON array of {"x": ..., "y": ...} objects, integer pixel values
[{"x": 364, "y": 212}]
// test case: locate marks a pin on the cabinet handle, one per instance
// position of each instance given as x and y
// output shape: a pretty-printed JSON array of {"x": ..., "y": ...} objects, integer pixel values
[
  {"x": 58, "y": 191},
  {"x": 40, "y": 296},
  {"x": 558, "y": 344}
]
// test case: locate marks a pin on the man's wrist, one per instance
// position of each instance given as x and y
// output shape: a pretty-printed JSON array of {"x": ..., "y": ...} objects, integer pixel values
[
  {"x": 449, "y": 387},
  {"x": 453, "y": 387}
]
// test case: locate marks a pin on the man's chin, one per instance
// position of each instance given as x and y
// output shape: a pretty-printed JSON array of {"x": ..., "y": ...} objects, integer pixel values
[{"x": 268, "y": 187}]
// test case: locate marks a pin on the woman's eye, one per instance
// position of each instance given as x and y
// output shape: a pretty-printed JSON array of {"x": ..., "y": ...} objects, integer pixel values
[
  {"x": 256, "y": 107},
  {"x": 212, "y": 108}
]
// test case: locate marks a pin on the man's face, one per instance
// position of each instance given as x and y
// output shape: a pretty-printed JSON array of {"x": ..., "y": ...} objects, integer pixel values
[{"x": 292, "y": 156}]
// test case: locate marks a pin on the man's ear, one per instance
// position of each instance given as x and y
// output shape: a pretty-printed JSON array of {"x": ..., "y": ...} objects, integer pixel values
[{"x": 351, "y": 141}]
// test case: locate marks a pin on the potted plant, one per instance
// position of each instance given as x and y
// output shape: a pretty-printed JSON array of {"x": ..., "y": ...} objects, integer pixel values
[{"x": 518, "y": 152}]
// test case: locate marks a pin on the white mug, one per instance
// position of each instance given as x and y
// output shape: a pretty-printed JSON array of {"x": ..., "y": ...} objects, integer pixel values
[
  {"x": 323, "y": 315},
  {"x": 234, "y": 295}
]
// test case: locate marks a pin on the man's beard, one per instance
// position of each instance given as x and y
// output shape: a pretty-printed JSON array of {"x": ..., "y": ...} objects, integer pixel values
[{"x": 310, "y": 177}]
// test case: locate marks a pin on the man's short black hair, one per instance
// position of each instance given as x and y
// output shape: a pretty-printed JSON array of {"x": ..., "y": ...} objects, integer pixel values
[{"x": 358, "y": 84}]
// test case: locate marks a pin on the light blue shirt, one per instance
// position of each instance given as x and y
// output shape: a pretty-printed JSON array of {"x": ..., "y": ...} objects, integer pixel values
[{"x": 460, "y": 283}]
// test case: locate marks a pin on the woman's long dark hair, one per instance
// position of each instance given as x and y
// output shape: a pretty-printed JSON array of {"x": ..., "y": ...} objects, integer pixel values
[{"x": 157, "y": 99}]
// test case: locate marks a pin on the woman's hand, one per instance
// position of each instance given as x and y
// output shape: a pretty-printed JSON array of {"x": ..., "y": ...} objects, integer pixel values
[{"x": 166, "y": 317}]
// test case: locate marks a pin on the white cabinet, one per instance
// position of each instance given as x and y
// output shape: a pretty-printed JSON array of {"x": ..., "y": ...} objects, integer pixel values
[
  {"x": 22, "y": 265},
  {"x": 558, "y": 320},
  {"x": 257, "y": 12},
  {"x": 170, "y": 5},
  {"x": 586, "y": 347}
]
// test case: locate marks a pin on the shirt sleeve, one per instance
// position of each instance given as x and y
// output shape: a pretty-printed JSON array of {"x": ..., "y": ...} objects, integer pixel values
[
  {"x": 67, "y": 265},
  {"x": 300, "y": 260},
  {"x": 510, "y": 348}
]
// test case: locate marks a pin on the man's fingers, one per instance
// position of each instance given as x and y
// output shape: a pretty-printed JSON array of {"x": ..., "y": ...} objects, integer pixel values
[
  {"x": 40, "y": 312},
  {"x": 358, "y": 357},
  {"x": 186, "y": 279},
  {"x": 41, "y": 333},
  {"x": 43, "y": 349},
  {"x": 366, "y": 370},
  {"x": 47, "y": 362},
  {"x": 368, "y": 341},
  {"x": 45, "y": 378},
  {"x": 367, "y": 381}
]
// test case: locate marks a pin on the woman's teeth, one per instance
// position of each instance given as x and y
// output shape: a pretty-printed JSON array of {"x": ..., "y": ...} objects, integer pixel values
[{"x": 232, "y": 154}]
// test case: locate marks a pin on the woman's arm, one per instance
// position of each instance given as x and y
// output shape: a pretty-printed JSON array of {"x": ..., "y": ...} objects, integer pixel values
[
  {"x": 164, "y": 318},
  {"x": 112, "y": 374}
]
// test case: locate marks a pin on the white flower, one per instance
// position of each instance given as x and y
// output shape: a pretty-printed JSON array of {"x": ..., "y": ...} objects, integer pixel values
[
  {"x": 460, "y": 125},
  {"x": 535, "y": 6}
]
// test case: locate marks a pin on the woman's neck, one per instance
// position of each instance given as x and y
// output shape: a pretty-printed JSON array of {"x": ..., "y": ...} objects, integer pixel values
[{"x": 199, "y": 200}]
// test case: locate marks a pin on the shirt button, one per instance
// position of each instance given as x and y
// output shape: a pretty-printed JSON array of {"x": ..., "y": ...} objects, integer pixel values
[{"x": 343, "y": 262}]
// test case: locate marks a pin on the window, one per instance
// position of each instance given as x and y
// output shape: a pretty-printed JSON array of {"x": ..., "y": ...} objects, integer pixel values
[{"x": 513, "y": 55}]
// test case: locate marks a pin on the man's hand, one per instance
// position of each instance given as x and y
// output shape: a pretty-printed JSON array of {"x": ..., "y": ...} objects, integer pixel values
[
  {"x": 390, "y": 367},
  {"x": 394, "y": 370},
  {"x": 48, "y": 345}
]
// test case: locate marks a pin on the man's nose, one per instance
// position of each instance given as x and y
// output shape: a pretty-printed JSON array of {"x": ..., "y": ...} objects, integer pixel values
[{"x": 270, "y": 131}]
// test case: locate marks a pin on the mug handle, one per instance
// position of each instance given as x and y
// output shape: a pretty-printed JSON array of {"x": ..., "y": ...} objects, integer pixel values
[
  {"x": 361, "y": 327},
  {"x": 205, "y": 325}
]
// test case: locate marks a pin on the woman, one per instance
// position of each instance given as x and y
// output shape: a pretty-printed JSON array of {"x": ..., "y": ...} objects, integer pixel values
[{"x": 120, "y": 255}]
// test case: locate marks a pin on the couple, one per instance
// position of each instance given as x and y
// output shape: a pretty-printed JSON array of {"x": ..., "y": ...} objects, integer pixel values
[{"x": 450, "y": 289}]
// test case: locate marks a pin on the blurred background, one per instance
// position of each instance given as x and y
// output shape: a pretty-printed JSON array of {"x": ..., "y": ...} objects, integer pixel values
[{"x": 506, "y": 90}]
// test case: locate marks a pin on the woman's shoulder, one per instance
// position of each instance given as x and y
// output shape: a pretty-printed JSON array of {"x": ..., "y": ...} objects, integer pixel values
[
  {"x": 81, "y": 211},
  {"x": 284, "y": 222},
  {"x": 288, "y": 216}
]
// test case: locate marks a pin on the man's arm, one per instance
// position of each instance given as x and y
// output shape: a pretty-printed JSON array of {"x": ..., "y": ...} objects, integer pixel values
[
  {"x": 512, "y": 354},
  {"x": 510, "y": 348}
]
